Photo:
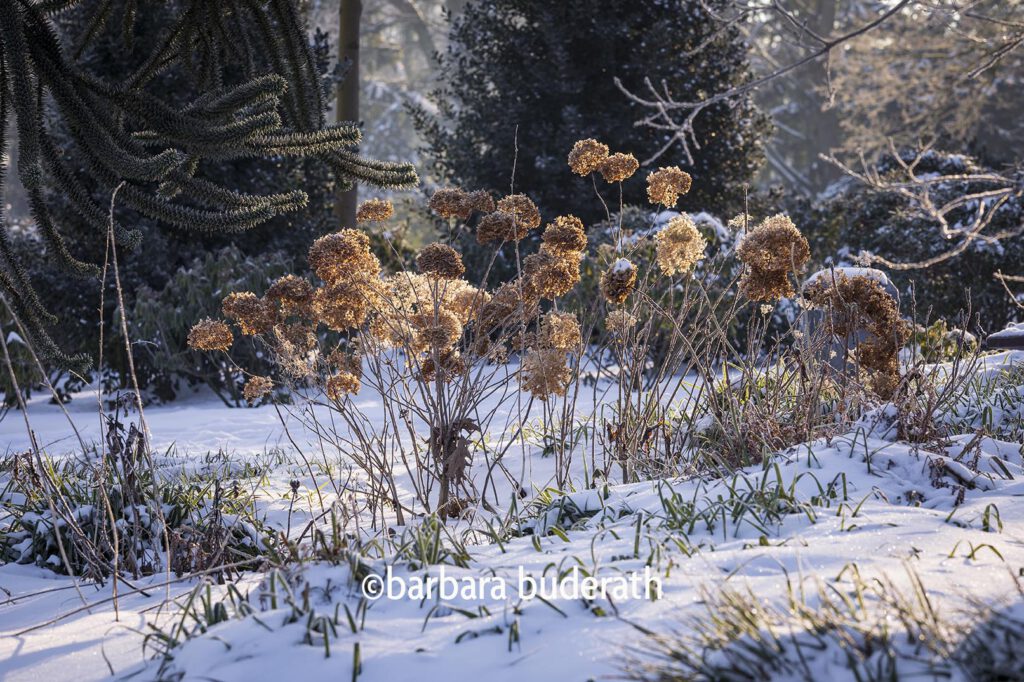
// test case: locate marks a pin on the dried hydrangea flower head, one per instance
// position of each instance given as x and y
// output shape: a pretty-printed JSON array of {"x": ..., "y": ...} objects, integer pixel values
[
  {"x": 861, "y": 303},
  {"x": 346, "y": 379},
  {"x": 771, "y": 251},
  {"x": 512, "y": 304},
  {"x": 619, "y": 323},
  {"x": 440, "y": 260},
  {"x": 618, "y": 167},
  {"x": 560, "y": 331},
  {"x": 298, "y": 335},
  {"x": 480, "y": 200},
  {"x": 679, "y": 245},
  {"x": 374, "y": 210},
  {"x": 618, "y": 281},
  {"x": 665, "y": 185},
  {"x": 293, "y": 294},
  {"x": 341, "y": 384},
  {"x": 435, "y": 331},
  {"x": 253, "y": 314},
  {"x": 343, "y": 255},
  {"x": 497, "y": 226},
  {"x": 741, "y": 222},
  {"x": 343, "y": 305},
  {"x": 448, "y": 365},
  {"x": 522, "y": 208},
  {"x": 550, "y": 275},
  {"x": 545, "y": 373},
  {"x": 452, "y": 202},
  {"x": 565, "y": 235},
  {"x": 256, "y": 388},
  {"x": 209, "y": 335},
  {"x": 586, "y": 156}
]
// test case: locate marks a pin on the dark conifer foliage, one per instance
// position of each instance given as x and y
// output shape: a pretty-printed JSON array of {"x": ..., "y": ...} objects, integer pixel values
[
  {"x": 548, "y": 68},
  {"x": 82, "y": 134}
]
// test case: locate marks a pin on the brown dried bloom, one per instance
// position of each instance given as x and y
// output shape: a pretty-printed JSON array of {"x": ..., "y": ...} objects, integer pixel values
[
  {"x": 741, "y": 222},
  {"x": 441, "y": 261},
  {"x": 666, "y": 184},
  {"x": 861, "y": 304},
  {"x": 618, "y": 281},
  {"x": 513, "y": 303},
  {"x": 550, "y": 275},
  {"x": 293, "y": 294},
  {"x": 343, "y": 255},
  {"x": 256, "y": 388},
  {"x": 522, "y": 209},
  {"x": 377, "y": 210},
  {"x": 342, "y": 306},
  {"x": 300, "y": 336},
  {"x": 253, "y": 314},
  {"x": 451, "y": 202},
  {"x": 450, "y": 363},
  {"x": 210, "y": 335},
  {"x": 341, "y": 384},
  {"x": 464, "y": 299},
  {"x": 619, "y": 167},
  {"x": 480, "y": 200},
  {"x": 497, "y": 227},
  {"x": 771, "y": 251},
  {"x": 545, "y": 373},
  {"x": 565, "y": 235},
  {"x": 438, "y": 331},
  {"x": 679, "y": 245},
  {"x": 619, "y": 322},
  {"x": 560, "y": 331},
  {"x": 586, "y": 156}
]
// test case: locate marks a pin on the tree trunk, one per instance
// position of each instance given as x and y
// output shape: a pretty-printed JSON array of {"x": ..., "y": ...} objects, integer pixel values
[{"x": 347, "y": 108}]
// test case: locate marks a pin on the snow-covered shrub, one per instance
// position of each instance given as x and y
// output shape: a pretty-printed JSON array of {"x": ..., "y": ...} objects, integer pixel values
[
  {"x": 114, "y": 513},
  {"x": 853, "y": 218}
]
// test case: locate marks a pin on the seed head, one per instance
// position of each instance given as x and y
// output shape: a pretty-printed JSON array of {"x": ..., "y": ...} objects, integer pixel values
[
  {"x": 375, "y": 210},
  {"x": 618, "y": 281},
  {"x": 209, "y": 335},
  {"x": 771, "y": 251},
  {"x": 550, "y": 275},
  {"x": 618, "y": 167},
  {"x": 619, "y": 322},
  {"x": 586, "y": 156},
  {"x": 293, "y": 294},
  {"x": 449, "y": 365},
  {"x": 560, "y": 331},
  {"x": 523, "y": 209},
  {"x": 343, "y": 255},
  {"x": 256, "y": 388},
  {"x": 665, "y": 185},
  {"x": 679, "y": 245},
  {"x": 342, "y": 306},
  {"x": 341, "y": 384},
  {"x": 440, "y": 331},
  {"x": 565, "y": 235},
  {"x": 441, "y": 261},
  {"x": 253, "y": 314},
  {"x": 545, "y": 373}
]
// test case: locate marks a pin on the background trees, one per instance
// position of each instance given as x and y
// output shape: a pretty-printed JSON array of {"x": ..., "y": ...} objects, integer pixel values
[{"x": 523, "y": 80}]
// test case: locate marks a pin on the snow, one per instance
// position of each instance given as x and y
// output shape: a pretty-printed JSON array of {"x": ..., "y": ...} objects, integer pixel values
[
  {"x": 621, "y": 265},
  {"x": 863, "y": 499}
]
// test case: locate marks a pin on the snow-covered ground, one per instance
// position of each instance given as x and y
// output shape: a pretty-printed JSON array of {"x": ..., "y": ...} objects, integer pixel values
[{"x": 816, "y": 514}]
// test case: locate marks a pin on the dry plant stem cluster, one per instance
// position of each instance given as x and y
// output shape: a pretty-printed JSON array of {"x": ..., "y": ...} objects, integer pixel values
[
  {"x": 445, "y": 357},
  {"x": 432, "y": 346}
]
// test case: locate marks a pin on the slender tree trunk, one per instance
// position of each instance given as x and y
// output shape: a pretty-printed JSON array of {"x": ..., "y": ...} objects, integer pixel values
[{"x": 347, "y": 108}]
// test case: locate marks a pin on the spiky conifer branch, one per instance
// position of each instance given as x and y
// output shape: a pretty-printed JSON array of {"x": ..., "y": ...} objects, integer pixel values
[{"x": 128, "y": 132}]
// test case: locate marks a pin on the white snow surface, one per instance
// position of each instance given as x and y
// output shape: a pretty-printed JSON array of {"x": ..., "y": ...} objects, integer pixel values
[{"x": 863, "y": 498}]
